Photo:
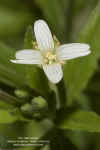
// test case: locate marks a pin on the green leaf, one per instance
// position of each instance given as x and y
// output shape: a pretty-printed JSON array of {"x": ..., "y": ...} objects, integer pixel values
[
  {"x": 4, "y": 105},
  {"x": 37, "y": 80},
  {"x": 46, "y": 147},
  {"x": 35, "y": 75},
  {"x": 29, "y": 37},
  {"x": 10, "y": 74},
  {"x": 6, "y": 117},
  {"x": 8, "y": 18},
  {"x": 38, "y": 128},
  {"x": 79, "y": 71},
  {"x": 79, "y": 138},
  {"x": 82, "y": 120},
  {"x": 25, "y": 148}
]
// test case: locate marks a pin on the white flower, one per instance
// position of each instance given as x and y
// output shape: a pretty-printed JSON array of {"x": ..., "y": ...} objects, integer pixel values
[{"x": 49, "y": 56}]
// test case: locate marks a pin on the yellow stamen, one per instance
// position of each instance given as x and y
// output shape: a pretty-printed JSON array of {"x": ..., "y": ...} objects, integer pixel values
[{"x": 50, "y": 58}]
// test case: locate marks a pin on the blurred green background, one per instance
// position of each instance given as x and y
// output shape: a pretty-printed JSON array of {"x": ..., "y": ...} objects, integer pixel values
[{"x": 69, "y": 114}]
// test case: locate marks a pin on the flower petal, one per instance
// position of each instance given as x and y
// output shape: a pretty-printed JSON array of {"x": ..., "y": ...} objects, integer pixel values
[
  {"x": 74, "y": 50},
  {"x": 43, "y": 36},
  {"x": 20, "y": 61},
  {"x": 28, "y": 54},
  {"x": 53, "y": 72},
  {"x": 28, "y": 57}
]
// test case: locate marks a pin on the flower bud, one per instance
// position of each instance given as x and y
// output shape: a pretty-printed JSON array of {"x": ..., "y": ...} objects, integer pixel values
[
  {"x": 27, "y": 108},
  {"x": 21, "y": 93},
  {"x": 39, "y": 103}
]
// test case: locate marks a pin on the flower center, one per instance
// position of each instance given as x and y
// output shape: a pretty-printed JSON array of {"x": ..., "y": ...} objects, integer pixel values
[{"x": 50, "y": 58}]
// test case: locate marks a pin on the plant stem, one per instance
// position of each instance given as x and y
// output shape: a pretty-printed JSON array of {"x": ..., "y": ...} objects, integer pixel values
[
  {"x": 62, "y": 93},
  {"x": 9, "y": 98}
]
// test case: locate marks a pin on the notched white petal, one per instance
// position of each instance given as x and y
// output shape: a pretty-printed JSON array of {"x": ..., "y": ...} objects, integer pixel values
[
  {"x": 25, "y": 61},
  {"x": 43, "y": 35},
  {"x": 28, "y": 57},
  {"x": 28, "y": 54},
  {"x": 74, "y": 50},
  {"x": 53, "y": 72}
]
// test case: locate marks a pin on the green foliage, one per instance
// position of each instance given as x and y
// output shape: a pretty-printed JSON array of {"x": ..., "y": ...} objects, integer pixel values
[
  {"x": 38, "y": 129},
  {"x": 6, "y": 117},
  {"x": 79, "y": 71},
  {"x": 7, "y": 19},
  {"x": 4, "y": 105},
  {"x": 36, "y": 76},
  {"x": 10, "y": 74},
  {"x": 82, "y": 120},
  {"x": 29, "y": 37}
]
